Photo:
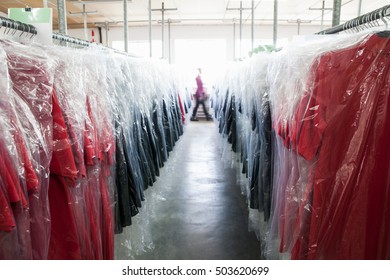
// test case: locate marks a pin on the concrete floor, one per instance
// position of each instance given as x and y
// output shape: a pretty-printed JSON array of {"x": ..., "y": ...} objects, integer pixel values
[{"x": 197, "y": 209}]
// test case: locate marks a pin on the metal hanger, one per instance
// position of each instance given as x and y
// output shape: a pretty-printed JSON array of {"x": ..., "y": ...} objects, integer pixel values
[
  {"x": 383, "y": 18},
  {"x": 16, "y": 28}
]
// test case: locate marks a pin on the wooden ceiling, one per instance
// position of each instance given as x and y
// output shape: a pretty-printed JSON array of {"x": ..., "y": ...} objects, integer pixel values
[{"x": 73, "y": 21}]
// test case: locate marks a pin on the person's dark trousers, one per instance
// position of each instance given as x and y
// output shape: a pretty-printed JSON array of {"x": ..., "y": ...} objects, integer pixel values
[{"x": 197, "y": 105}]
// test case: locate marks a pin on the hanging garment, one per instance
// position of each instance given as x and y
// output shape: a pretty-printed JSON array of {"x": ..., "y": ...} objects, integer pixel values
[
  {"x": 339, "y": 127},
  {"x": 32, "y": 81},
  {"x": 78, "y": 148}
]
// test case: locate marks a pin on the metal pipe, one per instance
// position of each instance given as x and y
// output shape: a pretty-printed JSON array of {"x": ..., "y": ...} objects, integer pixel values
[
  {"x": 240, "y": 29},
  {"x": 363, "y": 19},
  {"x": 322, "y": 15},
  {"x": 275, "y": 38},
  {"x": 162, "y": 30},
  {"x": 107, "y": 29},
  {"x": 162, "y": 26},
  {"x": 62, "y": 25},
  {"x": 336, "y": 12},
  {"x": 125, "y": 26},
  {"x": 360, "y": 8},
  {"x": 253, "y": 25},
  {"x": 150, "y": 29},
  {"x": 85, "y": 23},
  {"x": 169, "y": 41},
  {"x": 234, "y": 39},
  {"x": 299, "y": 26},
  {"x": 100, "y": 35},
  {"x": 45, "y": 4}
]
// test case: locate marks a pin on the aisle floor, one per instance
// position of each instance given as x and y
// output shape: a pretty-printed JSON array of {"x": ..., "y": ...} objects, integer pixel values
[{"x": 201, "y": 213}]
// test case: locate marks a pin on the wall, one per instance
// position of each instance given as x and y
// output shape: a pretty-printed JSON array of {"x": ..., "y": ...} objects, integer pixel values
[{"x": 265, "y": 32}]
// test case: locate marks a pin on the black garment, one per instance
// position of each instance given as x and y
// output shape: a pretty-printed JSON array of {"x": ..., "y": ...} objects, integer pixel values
[
  {"x": 261, "y": 183},
  {"x": 223, "y": 113},
  {"x": 266, "y": 161},
  {"x": 256, "y": 151},
  {"x": 160, "y": 134},
  {"x": 155, "y": 153},
  {"x": 167, "y": 122},
  {"x": 125, "y": 193},
  {"x": 231, "y": 124},
  {"x": 143, "y": 148}
]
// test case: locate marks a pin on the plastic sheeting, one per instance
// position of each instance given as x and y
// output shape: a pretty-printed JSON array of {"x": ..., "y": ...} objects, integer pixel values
[
  {"x": 27, "y": 113},
  {"x": 84, "y": 133},
  {"x": 242, "y": 108},
  {"x": 329, "y": 108}
]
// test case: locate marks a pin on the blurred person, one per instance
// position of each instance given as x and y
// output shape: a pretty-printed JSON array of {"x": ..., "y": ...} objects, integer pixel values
[{"x": 200, "y": 97}]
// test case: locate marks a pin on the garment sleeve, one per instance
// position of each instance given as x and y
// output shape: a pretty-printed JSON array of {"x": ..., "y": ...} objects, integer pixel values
[
  {"x": 308, "y": 123},
  {"x": 7, "y": 221},
  {"x": 62, "y": 162}
]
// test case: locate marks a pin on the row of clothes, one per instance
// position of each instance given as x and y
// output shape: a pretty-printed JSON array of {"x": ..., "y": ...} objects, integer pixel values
[
  {"x": 83, "y": 135},
  {"x": 322, "y": 114},
  {"x": 242, "y": 108}
]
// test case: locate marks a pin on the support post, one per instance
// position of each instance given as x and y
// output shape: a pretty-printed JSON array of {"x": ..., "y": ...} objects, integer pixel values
[
  {"x": 253, "y": 26},
  {"x": 169, "y": 41},
  {"x": 150, "y": 29},
  {"x": 234, "y": 39},
  {"x": 239, "y": 9},
  {"x": 360, "y": 8},
  {"x": 62, "y": 25},
  {"x": 240, "y": 29},
  {"x": 162, "y": 10},
  {"x": 336, "y": 12},
  {"x": 162, "y": 31},
  {"x": 323, "y": 9},
  {"x": 275, "y": 37},
  {"x": 107, "y": 26},
  {"x": 85, "y": 23},
  {"x": 125, "y": 26}
]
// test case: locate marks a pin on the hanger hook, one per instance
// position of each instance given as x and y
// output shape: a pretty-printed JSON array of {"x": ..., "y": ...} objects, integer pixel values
[
  {"x": 383, "y": 19},
  {"x": 16, "y": 28}
]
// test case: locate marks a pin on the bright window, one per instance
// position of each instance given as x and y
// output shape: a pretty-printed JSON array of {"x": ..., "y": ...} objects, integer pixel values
[
  {"x": 207, "y": 54},
  {"x": 140, "y": 48}
]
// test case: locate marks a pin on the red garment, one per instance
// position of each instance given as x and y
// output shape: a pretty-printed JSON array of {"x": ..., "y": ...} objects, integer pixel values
[
  {"x": 93, "y": 196},
  {"x": 64, "y": 241},
  {"x": 99, "y": 147},
  {"x": 14, "y": 213},
  {"x": 15, "y": 240},
  {"x": 340, "y": 126},
  {"x": 107, "y": 220},
  {"x": 8, "y": 234},
  {"x": 7, "y": 221},
  {"x": 30, "y": 73},
  {"x": 10, "y": 179},
  {"x": 80, "y": 208},
  {"x": 19, "y": 203}
]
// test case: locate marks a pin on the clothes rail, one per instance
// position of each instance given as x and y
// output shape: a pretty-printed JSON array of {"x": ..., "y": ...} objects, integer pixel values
[
  {"x": 72, "y": 40},
  {"x": 28, "y": 28},
  {"x": 378, "y": 14},
  {"x": 17, "y": 25},
  {"x": 84, "y": 43}
]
